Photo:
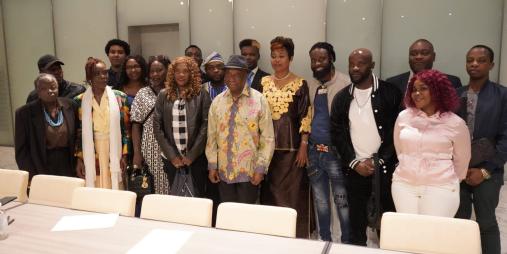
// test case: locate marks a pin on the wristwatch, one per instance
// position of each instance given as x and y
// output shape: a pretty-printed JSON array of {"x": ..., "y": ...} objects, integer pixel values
[{"x": 485, "y": 174}]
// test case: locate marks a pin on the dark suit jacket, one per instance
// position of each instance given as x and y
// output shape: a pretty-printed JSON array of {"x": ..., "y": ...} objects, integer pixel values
[
  {"x": 256, "y": 81},
  {"x": 30, "y": 135},
  {"x": 401, "y": 81}
]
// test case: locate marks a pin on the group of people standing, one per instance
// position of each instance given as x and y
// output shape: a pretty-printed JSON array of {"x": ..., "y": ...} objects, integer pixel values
[{"x": 243, "y": 135}]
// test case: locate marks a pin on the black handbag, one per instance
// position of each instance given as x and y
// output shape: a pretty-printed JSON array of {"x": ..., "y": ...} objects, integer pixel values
[
  {"x": 183, "y": 185},
  {"x": 140, "y": 181},
  {"x": 483, "y": 149}
]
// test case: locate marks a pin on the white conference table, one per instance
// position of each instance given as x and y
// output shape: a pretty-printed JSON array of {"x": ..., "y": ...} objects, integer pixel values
[
  {"x": 31, "y": 233},
  {"x": 11, "y": 205}
]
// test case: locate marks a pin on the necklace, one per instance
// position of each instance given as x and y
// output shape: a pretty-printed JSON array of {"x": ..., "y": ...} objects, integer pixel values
[
  {"x": 282, "y": 78},
  {"x": 361, "y": 105},
  {"x": 59, "y": 119}
]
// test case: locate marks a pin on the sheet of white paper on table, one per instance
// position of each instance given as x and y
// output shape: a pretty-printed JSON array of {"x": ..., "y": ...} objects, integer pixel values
[
  {"x": 161, "y": 241},
  {"x": 88, "y": 221}
]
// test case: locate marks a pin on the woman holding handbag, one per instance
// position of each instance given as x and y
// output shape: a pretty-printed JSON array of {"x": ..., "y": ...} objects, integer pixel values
[
  {"x": 180, "y": 124},
  {"x": 146, "y": 148}
]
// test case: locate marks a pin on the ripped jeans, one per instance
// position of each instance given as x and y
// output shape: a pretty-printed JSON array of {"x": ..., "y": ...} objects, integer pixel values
[{"x": 325, "y": 168}]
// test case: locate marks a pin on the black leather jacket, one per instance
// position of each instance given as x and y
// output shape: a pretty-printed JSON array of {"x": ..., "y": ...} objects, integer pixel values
[{"x": 197, "y": 125}]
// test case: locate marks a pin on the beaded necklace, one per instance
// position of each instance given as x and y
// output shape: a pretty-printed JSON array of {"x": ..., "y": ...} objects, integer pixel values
[{"x": 59, "y": 119}]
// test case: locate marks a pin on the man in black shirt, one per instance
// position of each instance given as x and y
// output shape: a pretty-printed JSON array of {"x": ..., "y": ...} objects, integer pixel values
[
  {"x": 52, "y": 65},
  {"x": 116, "y": 50}
]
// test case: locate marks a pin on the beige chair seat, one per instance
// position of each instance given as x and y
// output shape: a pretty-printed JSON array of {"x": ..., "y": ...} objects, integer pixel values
[
  {"x": 186, "y": 210},
  {"x": 271, "y": 220},
  {"x": 429, "y": 234},
  {"x": 14, "y": 182},
  {"x": 53, "y": 190},
  {"x": 104, "y": 200}
]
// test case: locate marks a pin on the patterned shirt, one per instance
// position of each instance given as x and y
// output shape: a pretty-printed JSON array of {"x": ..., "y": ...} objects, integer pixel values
[
  {"x": 180, "y": 126},
  {"x": 472, "y": 98},
  {"x": 290, "y": 110},
  {"x": 240, "y": 136}
]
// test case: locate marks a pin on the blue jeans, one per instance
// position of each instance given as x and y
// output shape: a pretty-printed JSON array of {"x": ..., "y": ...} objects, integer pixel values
[{"x": 324, "y": 168}]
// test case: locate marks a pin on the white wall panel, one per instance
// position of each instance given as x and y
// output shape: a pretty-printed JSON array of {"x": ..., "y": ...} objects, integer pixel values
[
  {"x": 28, "y": 36},
  {"x": 6, "y": 130},
  {"x": 82, "y": 29},
  {"x": 354, "y": 24},
  {"x": 211, "y": 26},
  {"x": 503, "y": 63},
  {"x": 263, "y": 20}
]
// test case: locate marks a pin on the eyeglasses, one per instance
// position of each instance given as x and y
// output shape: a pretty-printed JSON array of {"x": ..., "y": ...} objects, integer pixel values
[{"x": 133, "y": 67}]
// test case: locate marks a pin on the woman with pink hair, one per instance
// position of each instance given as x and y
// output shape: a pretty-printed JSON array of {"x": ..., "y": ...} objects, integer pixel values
[{"x": 433, "y": 148}]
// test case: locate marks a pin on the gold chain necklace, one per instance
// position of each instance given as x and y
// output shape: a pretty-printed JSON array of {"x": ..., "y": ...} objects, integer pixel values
[
  {"x": 282, "y": 78},
  {"x": 363, "y": 104}
]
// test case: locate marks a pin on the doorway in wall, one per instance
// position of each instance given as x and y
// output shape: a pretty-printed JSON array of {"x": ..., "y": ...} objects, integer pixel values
[{"x": 159, "y": 39}]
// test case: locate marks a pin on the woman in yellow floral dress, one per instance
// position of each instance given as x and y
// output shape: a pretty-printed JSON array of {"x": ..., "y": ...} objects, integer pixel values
[{"x": 286, "y": 183}]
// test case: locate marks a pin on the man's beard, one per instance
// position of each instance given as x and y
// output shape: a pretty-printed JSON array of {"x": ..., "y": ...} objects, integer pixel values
[
  {"x": 321, "y": 74},
  {"x": 217, "y": 81},
  {"x": 360, "y": 79}
]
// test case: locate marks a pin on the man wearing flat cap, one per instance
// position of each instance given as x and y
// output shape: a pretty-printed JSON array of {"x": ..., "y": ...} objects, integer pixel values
[
  {"x": 240, "y": 136},
  {"x": 52, "y": 65},
  {"x": 213, "y": 66}
]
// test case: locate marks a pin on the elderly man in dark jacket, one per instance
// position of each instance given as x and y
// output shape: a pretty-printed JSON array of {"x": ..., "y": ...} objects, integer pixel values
[{"x": 45, "y": 132}]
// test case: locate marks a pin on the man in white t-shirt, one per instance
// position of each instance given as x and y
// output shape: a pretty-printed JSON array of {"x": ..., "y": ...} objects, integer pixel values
[{"x": 362, "y": 121}]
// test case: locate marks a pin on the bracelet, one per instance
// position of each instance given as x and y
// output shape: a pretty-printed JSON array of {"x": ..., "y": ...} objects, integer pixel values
[
  {"x": 304, "y": 142},
  {"x": 485, "y": 174},
  {"x": 135, "y": 166}
]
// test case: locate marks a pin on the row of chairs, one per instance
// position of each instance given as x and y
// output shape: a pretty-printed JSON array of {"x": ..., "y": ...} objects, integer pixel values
[
  {"x": 401, "y": 232},
  {"x": 69, "y": 192}
]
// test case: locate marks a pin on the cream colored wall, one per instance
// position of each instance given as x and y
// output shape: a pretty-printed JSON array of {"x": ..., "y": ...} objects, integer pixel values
[
  {"x": 28, "y": 36},
  {"x": 211, "y": 26},
  {"x": 503, "y": 62},
  {"x": 82, "y": 28},
  {"x": 6, "y": 120},
  {"x": 303, "y": 21},
  {"x": 354, "y": 24}
]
